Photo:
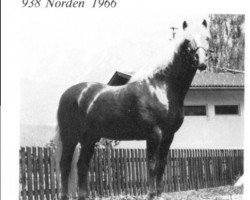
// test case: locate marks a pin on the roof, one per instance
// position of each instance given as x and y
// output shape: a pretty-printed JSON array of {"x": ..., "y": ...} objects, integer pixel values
[
  {"x": 218, "y": 80},
  {"x": 201, "y": 80}
]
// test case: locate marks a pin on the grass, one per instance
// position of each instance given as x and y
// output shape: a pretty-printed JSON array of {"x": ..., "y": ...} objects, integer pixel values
[{"x": 220, "y": 193}]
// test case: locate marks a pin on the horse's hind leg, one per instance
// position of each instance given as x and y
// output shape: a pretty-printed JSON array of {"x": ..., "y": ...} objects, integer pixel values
[
  {"x": 70, "y": 128},
  {"x": 87, "y": 150},
  {"x": 65, "y": 166}
]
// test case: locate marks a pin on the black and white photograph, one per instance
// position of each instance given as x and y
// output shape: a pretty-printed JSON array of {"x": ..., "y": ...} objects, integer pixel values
[{"x": 115, "y": 100}]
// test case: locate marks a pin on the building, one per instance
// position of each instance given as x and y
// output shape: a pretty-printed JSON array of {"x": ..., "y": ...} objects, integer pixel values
[{"x": 214, "y": 112}]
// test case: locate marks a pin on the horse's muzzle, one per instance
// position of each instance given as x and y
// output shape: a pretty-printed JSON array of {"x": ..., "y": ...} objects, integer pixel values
[{"x": 202, "y": 67}]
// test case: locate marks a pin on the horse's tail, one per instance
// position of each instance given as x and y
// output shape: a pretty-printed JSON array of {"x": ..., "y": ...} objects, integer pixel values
[{"x": 73, "y": 175}]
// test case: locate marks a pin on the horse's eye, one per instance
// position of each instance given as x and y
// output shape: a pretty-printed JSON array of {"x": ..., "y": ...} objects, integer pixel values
[
  {"x": 207, "y": 39},
  {"x": 189, "y": 49}
]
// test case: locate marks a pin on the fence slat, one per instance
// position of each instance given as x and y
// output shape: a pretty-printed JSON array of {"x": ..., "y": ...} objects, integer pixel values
[
  {"x": 52, "y": 173},
  {"x": 181, "y": 169},
  {"x": 137, "y": 172},
  {"x": 100, "y": 171},
  {"x": 207, "y": 169},
  {"x": 121, "y": 170},
  {"x": 41, "y": 173},
  {"x": 140, "y": 171},
  {"x": 29, "y": 173},
  {"x": 35, "y": 167},
  {"x": 46, "y": 171},
  {"x": 109, "y": 172},
  {"x": 23, "y": 173},
  {"x": 190, "y": 183},
  {"x": 124, "y": 161},
  {"x": 113, "y": 172},
  {"x": 92, "y": 177},
  {"x": 133, "y": 171},
  {"x": 105, "y": 170},
  {"x": 200, "y": 169},
  {"x": 184, "y": 170},
  {"x": 117, "y": 171},
  {"x": 97, "y": 177},
  {"x": 145, "y": 171},
  {"x": 129, "y": 172},
  {"x": 177, "y": 156}
]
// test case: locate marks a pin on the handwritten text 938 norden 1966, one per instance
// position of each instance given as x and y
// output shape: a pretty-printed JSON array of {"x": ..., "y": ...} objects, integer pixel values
[{"x": 69, "y": 3}]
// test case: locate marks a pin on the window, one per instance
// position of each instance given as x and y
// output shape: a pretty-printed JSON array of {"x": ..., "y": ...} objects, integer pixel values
[
  {"x": 195, "y": 110},
  {"x": 227, "y": 110}
]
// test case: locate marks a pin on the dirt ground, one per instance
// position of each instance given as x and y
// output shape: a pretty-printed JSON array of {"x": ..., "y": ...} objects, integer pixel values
[{"x": 220, "y": 193}]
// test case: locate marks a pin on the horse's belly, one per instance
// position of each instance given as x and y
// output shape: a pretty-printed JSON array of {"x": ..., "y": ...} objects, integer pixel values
[
  {"x": 125, "y": 132},
  {"x": 118, "y": 129}
]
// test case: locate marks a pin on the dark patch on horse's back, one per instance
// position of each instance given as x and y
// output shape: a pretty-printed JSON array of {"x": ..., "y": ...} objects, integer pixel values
[
  {"x": 82, "y": 94},
  {"x": 87, "y": 96}
]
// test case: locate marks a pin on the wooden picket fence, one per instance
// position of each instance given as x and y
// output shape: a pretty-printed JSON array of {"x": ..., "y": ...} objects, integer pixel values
[{"x": 124, "y": 171}]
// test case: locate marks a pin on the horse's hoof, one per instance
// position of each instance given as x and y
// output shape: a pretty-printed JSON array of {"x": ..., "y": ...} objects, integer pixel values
[
  {"x": 83, "y": 198},
  {"x": 64, "y": 198},
  {"x": 160, "y": 198},
  {"x": 151, "y": 196}
]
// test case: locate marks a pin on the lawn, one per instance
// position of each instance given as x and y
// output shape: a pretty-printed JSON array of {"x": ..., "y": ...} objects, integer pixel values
[{"x": 220, "y": 193}]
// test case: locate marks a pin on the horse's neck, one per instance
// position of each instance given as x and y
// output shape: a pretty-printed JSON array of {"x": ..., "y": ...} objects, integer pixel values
[{"x": 177, "y": 78}]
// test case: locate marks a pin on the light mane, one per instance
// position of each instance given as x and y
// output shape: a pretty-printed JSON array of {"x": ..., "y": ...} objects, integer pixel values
[{"x": 162, "y": 59}]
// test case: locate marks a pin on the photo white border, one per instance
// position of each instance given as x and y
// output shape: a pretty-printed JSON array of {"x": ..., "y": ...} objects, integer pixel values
[{"x": 11, "y": 10}]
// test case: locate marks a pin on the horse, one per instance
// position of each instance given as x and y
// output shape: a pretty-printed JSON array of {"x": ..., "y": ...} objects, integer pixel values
[{"x": 149, "y": 107}]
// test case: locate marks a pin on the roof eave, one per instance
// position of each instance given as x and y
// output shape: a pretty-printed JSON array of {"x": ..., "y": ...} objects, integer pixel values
[{"x": 217, "y": 88}]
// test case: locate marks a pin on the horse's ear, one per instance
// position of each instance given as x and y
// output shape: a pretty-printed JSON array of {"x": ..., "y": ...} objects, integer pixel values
[
  {"x": 204, "y": 23},
  {"x": 184, "y": 25}
]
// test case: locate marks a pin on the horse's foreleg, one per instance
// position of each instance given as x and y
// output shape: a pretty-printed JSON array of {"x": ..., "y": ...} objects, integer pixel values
[
  {"x": 83, "y": 166},
  {"x": 152, "y": 150},
  {"x": 162, "y": 160}
]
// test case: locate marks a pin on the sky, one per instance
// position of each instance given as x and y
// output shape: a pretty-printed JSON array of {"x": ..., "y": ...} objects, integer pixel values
[{"x": 60, "y": 48}]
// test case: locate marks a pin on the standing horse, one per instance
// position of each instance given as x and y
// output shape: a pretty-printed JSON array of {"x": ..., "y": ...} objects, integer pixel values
[{"x": 149, "y": 107}]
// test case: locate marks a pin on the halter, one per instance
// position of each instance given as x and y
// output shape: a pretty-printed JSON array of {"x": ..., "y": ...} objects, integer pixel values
[{"x": 206, "y": 50}]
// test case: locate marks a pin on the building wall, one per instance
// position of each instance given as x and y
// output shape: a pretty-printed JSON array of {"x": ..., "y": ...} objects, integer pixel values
[{"x": 211, "y": 131}]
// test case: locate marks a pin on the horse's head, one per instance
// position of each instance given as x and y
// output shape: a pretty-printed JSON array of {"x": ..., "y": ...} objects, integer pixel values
[{"x": 197, "y": 44}]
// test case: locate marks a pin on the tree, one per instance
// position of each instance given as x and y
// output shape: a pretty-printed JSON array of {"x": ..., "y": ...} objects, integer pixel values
[{"x": 228, "y": 42}]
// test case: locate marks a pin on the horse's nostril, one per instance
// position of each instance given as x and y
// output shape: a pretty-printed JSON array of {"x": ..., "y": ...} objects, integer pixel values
[
  {"x": 202, "y": 67},
  {"x": 196, "y": 56}
]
